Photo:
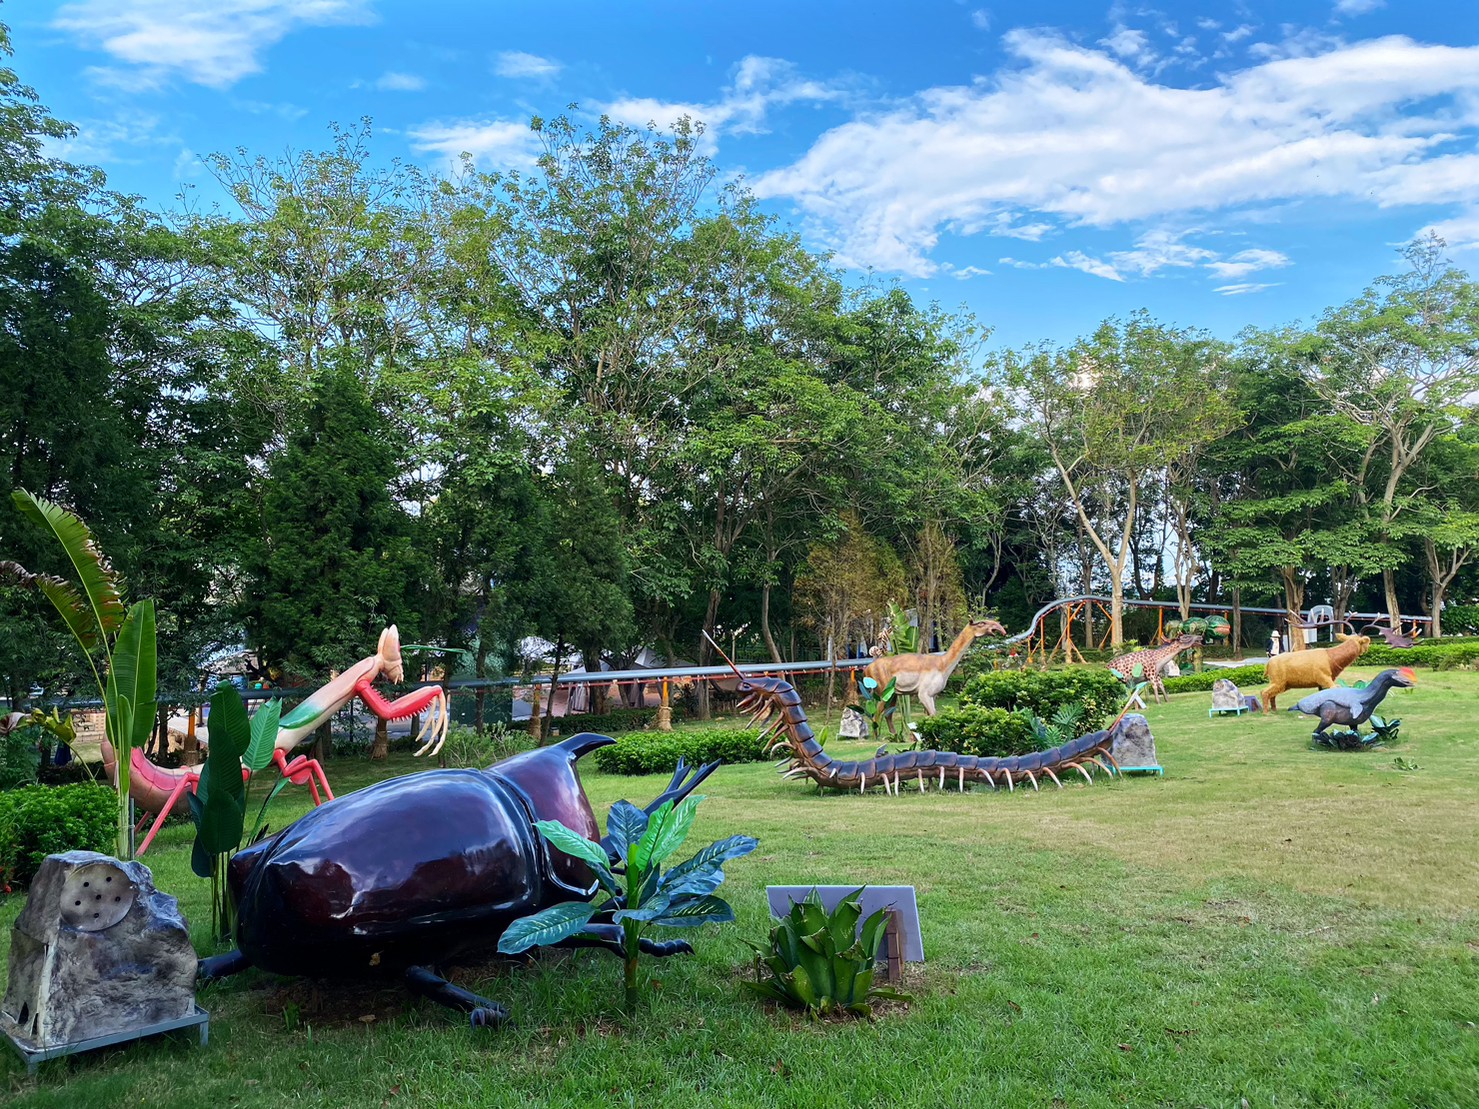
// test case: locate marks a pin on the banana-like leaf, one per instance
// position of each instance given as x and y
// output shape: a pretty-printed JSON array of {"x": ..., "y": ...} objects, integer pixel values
[
  {"x": 259, "y": 826},
  {"x": 573, "y": 843},
  {"x": 132, "y": 682},
  {"x": 649, "y": 911},
  {"x": 263, "y": 736},
  {"x": 64, "y": 598},
  {"x": 101, "y": 584},
  {"x": 625, "y": 824},
  {"x": 223, "y": 797},
  {"x": 692, "y": 912},
  {"x": 558, "y": 922}
]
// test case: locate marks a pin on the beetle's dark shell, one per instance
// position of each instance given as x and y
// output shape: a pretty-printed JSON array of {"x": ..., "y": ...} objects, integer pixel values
[{"x": 415, "y": 869}]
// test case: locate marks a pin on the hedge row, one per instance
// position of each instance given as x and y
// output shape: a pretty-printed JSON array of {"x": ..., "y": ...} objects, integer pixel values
[
  {"x": 974, "y": 730},
  {"x": 659, "y": 752},
  {"x": 37, "y": 821},
  {"x": 1437, "y": 656},
  {"x": 1241, "y": 676},
  {"x": 1044, "y": 692}
]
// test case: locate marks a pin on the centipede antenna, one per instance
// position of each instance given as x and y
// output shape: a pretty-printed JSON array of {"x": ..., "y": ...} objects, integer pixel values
[{"x": 726, "y": 658}]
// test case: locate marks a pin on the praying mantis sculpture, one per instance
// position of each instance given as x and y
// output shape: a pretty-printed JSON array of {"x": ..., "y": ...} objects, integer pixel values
[{"x": 157, "y": 789}]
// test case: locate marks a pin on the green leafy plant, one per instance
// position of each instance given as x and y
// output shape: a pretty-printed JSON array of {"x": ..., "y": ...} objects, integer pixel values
[
  {"x": 877, "y": 704},
  {"x": 98, "y": 620},
  {"x": 464, "y": 747},
  {"x": 821, "y": 961},
  {"x": 36, "y": 821},
  {"x": 1063, "y": 727},
  {"x": 1344, "y": 741},
  {"x": 1405, "y": 764},
  {"x": 647, "y": 897},
  {"x": 219, "y": 804},
  {"x": 1386, "y": 730},
  {"x": 983, "y": 732},
  {"x": 660, "y": 752},
  {"x": 1241, "y": 676}
]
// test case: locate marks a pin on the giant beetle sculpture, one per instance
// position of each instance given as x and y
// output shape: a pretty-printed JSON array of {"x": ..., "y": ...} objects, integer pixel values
[{"x": 414, "y": 872}]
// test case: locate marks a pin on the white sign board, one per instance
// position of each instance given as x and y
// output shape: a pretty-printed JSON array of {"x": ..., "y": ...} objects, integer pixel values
[{"x": 873, "y": 898}]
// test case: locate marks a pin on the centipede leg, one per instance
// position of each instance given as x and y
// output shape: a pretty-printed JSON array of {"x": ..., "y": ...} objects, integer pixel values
[
  {"x": 1031, "y": 779},
  {"x": 1049, "y": 772}
]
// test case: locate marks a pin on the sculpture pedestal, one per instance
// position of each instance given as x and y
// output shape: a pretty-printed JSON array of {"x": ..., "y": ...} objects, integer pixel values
[{"x": 34, "y": 1056}]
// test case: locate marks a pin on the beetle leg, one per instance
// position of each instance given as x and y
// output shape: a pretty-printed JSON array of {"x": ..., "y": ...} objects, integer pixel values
[
  {"x": 221, "y": 966},
  {"x": 481, "y": 1012},
  {"x": 610, "y": 937}
]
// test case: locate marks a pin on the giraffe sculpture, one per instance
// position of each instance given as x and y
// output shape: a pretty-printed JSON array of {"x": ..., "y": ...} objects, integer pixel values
[{"x": 1146, "y": 665}]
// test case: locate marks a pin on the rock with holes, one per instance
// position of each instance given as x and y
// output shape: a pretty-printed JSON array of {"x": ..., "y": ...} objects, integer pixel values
[
  {"x": 96, "y": 951},
  {"x": 1134, "y": 746}
]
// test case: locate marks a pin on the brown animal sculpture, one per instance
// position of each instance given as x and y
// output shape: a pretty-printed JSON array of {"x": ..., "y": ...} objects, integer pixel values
[
  {"x": 1149, "y": 661},
  {"x": 925, "y": 675},
  {"x": 1313, "y": 669}
]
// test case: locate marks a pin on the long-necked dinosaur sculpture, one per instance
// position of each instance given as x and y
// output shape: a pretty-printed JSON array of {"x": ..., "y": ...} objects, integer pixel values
[{"x": 924, "y": 675}]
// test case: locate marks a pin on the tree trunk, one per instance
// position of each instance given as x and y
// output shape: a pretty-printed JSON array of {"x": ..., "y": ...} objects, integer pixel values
[
  {"x": 775, "y": 653},
  {"x": 1394, "y": 610},
  {"x": 380, "y": 749},
  {"x": 1435, "y": 628},
  {"x": 191, "y": 753},
  {"x": 480, "y": 668},
  {"x": 549, "y": 708},
  {"x": 1237, "y": 620},
  {"x": 323, "y": 744},
  {"x": 704, "y": 652},
  {"x": 1294, "y": 606},
  {"x": 1116, "y": 613}
]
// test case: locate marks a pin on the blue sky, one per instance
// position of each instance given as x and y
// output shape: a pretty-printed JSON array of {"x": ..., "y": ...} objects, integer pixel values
[{"x": 1046, "y": 165}]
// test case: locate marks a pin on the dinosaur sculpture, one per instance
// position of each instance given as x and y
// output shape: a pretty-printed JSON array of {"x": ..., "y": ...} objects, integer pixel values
[
  {"x": 1146, "y": 665},
  {"x": 924, "y": 675},
  {"x": 1353, "y": 707},
  {"x": 1316, "y": 668}
]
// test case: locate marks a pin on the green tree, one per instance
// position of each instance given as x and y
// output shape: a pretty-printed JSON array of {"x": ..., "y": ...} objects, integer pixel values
[
  {"x": 1114, "y": 410},
  {"x": 335, "y": 563}
]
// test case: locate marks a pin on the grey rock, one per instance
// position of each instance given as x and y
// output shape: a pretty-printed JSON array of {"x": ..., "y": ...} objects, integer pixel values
[
  {"x": 1225, "y": 694},
  {"x": 1133, "y": 744},
  {"x": 96, "y": 951}
]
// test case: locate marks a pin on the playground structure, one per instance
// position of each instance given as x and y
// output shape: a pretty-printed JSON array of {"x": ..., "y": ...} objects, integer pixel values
[{"x": 1043, "y": 647}]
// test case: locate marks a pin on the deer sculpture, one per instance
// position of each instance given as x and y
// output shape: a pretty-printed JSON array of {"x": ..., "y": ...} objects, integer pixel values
[
  {"x": 1311, "y": 669},
  {"x": 924, "y": 675}
]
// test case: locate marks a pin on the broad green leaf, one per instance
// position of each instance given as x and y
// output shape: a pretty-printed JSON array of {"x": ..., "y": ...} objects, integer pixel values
[
  {"x": 573, "y": 843},
  {"x": 641, "y": 854},
  {"x": 558, "y": 922},
  {"x": 222, "y": 793},
  {"x": 674, "y": 830},
  {"x": 708, "y": 861},
  {"x": 649, "y": 911},
  {"x": 695, "y": 911},
  {"x": 625, "y": 824},
  {"x": 264, "y": 736},
  {"x": 103, "y": 587}
]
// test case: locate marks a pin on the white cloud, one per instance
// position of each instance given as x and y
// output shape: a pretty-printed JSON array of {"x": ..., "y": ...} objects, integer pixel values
[
  {"x": 1129, "y": 44},
  {"x": 215, "y": 44},
  {"x": 1358, "y": 7},
  {"x": 119, "y": 140},
  {"x": 517, "y": 64},
  {"x": 965, "y": 273},
  {"x": 1071, "y": 136},
  {"x": 758, "y": 85},
  {"x": 490, "y": 142},
  {"x": 400, "y": 82},
  {"x": 981, "y": 19},
  {"x": 187, "y": 164},
  {"x": 1245, "y": 262},
  {"x": 1243, "y": 289},
  {"x": 1461, "y": 233}
]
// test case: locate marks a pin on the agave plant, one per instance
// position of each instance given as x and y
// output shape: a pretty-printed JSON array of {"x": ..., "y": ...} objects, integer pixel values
[
  {"x": 117, "y": 642},
  {"x": 636, "y": 846},
  {"x": 821, "y": 961}
]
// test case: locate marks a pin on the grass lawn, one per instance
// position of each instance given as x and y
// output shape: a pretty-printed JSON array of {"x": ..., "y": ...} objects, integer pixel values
[{"x": 1265, "y": 926}]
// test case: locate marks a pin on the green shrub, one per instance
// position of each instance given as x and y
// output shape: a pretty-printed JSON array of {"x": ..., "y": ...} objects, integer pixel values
[
  {"x": 37, "y": 821},
  {"x": 1241, "y": 676},
  {"x": 659, "y": 752},
  {"x": 984, "y": 732},
  {"x": 1044, "y": 692},
  {"x": 1438, "y": 655}
]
